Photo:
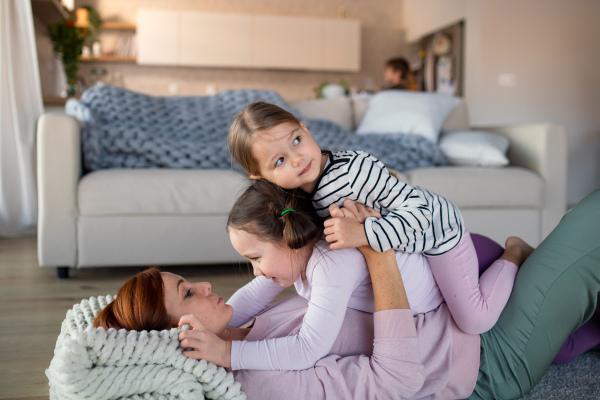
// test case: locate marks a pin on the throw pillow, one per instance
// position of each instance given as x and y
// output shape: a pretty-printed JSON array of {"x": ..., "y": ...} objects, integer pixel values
[
  {"x": 480, "y": 148},
  {"x": 401, "y": 111}
]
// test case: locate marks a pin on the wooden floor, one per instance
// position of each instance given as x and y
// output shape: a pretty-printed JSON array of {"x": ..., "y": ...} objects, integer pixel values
[{"x": 33, "y": 303}]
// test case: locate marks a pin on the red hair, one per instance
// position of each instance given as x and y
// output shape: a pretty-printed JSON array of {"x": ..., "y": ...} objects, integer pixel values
[{"x": 139, "y": 305}]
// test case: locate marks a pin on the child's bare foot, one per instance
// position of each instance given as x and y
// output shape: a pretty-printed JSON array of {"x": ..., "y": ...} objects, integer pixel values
[{"x": 516, "y": 250}]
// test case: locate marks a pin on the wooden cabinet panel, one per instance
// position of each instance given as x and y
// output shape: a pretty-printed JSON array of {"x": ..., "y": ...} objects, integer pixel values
[
  {"x": 193, "y": 38},
  {"x": 287, "y": 42},
  {"x": 341, "y": 45},
  {"x": 214, "y": 39},
  {"x": 158, "y": 37}
]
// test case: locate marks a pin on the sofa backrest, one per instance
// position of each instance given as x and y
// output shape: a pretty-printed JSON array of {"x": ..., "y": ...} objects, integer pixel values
[
  {"x": 336, "y": 109},
  {"x": 458, "y": 120},
  {"x": 349, "y": 112}
]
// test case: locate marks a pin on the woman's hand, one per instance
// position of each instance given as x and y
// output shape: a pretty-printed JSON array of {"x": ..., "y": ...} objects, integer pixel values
[{"x": 201, "y": 344}]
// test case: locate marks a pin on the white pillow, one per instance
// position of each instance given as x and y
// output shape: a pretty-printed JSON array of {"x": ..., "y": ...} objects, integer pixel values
[
  {"x": 402, "y": 111},
  {"x": 480, "y": 148}
]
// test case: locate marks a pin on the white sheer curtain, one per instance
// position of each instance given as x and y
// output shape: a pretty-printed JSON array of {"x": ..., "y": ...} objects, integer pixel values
[{"x": 20, "y": 107}]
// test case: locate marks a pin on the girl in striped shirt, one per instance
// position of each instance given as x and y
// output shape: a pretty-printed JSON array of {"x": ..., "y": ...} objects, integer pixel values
[{"x": 271, "y": 143}]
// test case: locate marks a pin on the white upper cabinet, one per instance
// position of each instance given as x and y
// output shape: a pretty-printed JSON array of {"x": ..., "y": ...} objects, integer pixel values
[
  {"x": 288, "y": 42},
  {"x": 193, "y": 38},
  {"x": 158, "y": 37},
  {"x": 213, "y": 39},
  {"x": 341, "y": 45}
]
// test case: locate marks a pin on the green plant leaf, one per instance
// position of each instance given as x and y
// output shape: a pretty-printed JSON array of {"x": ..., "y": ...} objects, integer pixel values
[{"x": 67, "y": 43}]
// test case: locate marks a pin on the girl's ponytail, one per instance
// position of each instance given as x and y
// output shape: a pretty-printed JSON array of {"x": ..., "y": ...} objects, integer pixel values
[
  {"x": 301, "y": 225},
  {"x": 265, "y": 210}
]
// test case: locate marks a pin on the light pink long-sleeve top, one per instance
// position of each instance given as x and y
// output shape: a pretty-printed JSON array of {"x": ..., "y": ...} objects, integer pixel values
[
  {"x": 334, "y": 281},
  {"x": 425, "y": 356}
]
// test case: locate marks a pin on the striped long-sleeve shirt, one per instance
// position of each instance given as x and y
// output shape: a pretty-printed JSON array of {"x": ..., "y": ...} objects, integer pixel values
[{"x": 413, "y": 219}]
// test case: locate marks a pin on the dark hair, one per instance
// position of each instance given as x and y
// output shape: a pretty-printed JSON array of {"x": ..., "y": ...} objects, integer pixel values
[
  {"x": 399, "y": 64},
  {"x": 139, "y": 305},
  {"x": 254, "y": 119},
  {"x": 258, "y": 211}
]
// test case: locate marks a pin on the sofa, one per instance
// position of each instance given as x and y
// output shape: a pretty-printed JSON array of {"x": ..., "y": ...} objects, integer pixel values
[{"x": 129, "y": 217}]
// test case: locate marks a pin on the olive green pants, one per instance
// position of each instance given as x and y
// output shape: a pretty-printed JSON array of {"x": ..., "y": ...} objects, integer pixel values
[{"x": 555, "y": 292}]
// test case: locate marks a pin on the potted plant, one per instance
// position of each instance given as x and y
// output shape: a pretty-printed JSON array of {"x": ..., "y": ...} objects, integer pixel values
[
  {"x": 326, "y": 90},
  {"x": 67, "y": 42}
]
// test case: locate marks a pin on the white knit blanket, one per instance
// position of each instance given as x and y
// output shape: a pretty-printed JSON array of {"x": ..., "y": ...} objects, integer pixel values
[{"x": 94, "y": 363}]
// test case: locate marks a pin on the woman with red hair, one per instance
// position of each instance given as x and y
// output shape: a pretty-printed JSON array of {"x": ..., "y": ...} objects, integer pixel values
[{"x": 402, "y": 356}]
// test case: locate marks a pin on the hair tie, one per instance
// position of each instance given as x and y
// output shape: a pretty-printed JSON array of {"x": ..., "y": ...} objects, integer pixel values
[{"x": 286, "y": 211}]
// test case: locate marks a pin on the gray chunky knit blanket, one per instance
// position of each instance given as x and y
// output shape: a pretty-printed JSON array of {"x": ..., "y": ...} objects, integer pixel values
[
  {"x": 124, "y": 129},
  {"x": 94, "y": 363}
]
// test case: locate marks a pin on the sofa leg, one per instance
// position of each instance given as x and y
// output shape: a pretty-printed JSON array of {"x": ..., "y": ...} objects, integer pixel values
[{"x": 62, "y": 272}]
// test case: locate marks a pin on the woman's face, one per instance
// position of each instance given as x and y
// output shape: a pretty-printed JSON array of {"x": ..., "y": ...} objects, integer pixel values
[
  {"x": 276, "y": 261},
  {"x": 183, "y": 298}
]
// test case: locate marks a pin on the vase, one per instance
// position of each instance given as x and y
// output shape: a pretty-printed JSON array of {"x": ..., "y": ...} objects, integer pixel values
[
  {"x": 97, "y": 49},
  {"x": 71, "y": 90}
]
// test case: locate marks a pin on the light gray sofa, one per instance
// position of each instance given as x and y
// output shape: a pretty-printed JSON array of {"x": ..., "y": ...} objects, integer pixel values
[{"x": 125, "y": 217}]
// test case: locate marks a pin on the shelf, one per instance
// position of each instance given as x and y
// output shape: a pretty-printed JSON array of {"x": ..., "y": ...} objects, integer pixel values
[
  {"x": 115, "y": 25},
  {"x": 108, "y": 59},
  {"x": 55, "y": 100}
]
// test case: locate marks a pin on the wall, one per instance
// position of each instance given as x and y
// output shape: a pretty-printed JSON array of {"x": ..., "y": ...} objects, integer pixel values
[
  {"x": 551, "y": 48},
  {"x": 382, "y": 38}
]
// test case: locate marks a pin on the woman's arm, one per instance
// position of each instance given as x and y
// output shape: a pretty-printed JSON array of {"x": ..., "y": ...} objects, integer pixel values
[{"x": 388, "y": 288}]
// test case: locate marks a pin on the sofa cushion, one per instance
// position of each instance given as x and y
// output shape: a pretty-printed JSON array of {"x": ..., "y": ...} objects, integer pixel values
[
  {"x": 337, "y": 109},
  {"x": 482, "y": 187},
  {"x": 150, "y": 239},
  {"x": 402, "y": 111},
  {"x": 475, "y": 148},
  {"x": 159, "y": 191},
  {"x": 458, "y": 120}
]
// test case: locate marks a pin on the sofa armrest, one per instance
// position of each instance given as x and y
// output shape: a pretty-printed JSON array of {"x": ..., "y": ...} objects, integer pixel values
[
  {"x": 542, "y": 148},
  {"x": 58, "y": 172}
]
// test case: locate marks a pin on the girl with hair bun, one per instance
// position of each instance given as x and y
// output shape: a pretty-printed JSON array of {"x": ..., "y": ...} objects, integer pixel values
[{"x": 279, "y": 232}]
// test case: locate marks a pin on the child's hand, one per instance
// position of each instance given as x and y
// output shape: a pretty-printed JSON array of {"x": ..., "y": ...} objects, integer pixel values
[
  {"x": 354, "y": 210},
  {"x": 345, "y": 228},
  {"x": 344, "y": 233},
  {"x": 204, "y": 344}
]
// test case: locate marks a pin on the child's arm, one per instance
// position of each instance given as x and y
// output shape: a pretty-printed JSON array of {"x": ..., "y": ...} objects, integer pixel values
[
  {"x": 332, "y": 284},
  {"x": 407, "y": 211},
  {"x": 251, "y": 299}
]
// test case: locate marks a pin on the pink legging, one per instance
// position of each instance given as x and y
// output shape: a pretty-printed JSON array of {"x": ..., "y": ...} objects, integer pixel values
[{"x": 475, "y": 302}]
